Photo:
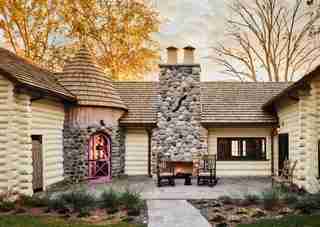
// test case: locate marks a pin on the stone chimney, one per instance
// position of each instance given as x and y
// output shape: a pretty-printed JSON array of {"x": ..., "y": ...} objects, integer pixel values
[
  {"x": 178, "y": 119},
  {"x": 188, "y": 55},
  {"x": 172, "y": 55}
]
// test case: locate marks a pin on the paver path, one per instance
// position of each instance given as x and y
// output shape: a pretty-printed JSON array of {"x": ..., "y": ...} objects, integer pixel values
[{"x": 174, "y": 213}]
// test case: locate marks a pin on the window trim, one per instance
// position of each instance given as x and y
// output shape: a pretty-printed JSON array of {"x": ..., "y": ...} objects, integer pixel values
[{"x": 242, "y": 159}]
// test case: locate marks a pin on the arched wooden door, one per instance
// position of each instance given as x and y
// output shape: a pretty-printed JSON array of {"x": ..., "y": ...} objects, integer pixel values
[{"x": 100, "y": 157}]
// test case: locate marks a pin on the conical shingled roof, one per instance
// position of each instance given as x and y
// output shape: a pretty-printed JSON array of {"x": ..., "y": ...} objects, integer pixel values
[{"x": 87, "y": 81}]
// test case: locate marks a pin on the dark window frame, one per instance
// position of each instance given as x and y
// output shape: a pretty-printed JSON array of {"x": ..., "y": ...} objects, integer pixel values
[{"x": 261, "y": 156}]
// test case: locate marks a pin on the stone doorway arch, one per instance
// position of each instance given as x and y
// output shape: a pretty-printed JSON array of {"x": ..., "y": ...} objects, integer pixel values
[{"x": 99, "y": 157}]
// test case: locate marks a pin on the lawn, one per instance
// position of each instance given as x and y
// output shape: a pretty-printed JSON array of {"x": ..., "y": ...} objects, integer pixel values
[
  {"x": 28, "y": 221},
  {"x": 290, "y": 221}
]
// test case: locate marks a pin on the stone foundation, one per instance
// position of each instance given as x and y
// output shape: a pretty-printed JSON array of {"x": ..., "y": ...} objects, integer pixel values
[{"x": 76, "y": 143}]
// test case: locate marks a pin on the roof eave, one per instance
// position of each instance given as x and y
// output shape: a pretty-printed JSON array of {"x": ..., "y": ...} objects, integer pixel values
[
  {"x": 15, "y": 81},
  {"x": 298, "y": 84},
  {"x": 239, "y": 124},
  {"x": 49, "y": 92},
  {"x": 266, "y": 106}
]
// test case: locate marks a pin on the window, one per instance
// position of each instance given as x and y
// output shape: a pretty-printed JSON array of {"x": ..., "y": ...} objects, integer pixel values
[{"x": 241, "y": 149}]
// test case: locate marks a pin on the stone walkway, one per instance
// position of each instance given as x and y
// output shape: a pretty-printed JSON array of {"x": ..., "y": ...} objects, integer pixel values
[{"x": 174, "y": 213}]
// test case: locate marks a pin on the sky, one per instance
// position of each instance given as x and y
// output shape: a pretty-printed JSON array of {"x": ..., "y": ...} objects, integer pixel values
[{"x": 199, "y": 23}]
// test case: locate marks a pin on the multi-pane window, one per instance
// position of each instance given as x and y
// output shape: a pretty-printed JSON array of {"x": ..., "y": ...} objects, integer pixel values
[{"x": 241, "y": 149}]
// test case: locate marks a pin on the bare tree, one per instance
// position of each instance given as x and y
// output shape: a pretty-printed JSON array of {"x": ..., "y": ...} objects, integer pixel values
[
  {"x": 314, "y": 9},
  {"x": 268, "y": 38}
]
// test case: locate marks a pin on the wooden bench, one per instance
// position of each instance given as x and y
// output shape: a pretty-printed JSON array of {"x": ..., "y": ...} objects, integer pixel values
[
  {"x": 207, "y": 170},
  {"x": 285, "y": 176},
  {"x": 165, "y": 173}
]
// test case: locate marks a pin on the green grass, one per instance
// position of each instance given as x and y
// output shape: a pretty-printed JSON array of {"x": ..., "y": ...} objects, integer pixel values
[
  {"x": 28, "y": 221},
  {"x": 290, "y": 221}
]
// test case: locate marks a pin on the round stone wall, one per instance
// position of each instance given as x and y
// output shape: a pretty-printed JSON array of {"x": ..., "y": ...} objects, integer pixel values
[{"x": 76, "y": 145}]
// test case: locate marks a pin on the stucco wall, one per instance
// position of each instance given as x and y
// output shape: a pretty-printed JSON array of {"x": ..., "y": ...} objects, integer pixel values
[
  {"x": 241, "y": 168},
  {"x": 47, "y": 120},
  {"x": 85, "y": 116}
]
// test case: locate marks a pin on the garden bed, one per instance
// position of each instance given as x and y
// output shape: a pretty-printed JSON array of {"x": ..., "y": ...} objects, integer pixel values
[
  {"x": 47, "y": 221},
  {"x": 289, "y": 221},
  {"x": 111, "y": 208},
  {"x": 275, "y": 204}
]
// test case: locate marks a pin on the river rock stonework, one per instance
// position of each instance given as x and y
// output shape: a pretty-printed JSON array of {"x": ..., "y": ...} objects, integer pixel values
[
  {"x": 177, "y": 135},
  {"x": 76, "y": 142}
]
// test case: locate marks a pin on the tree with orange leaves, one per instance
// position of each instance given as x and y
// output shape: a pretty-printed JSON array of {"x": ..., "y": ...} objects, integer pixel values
[{"x": 118, "y": 32}]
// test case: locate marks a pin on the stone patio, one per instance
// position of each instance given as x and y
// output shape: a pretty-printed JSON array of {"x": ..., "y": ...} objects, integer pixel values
[{"x": 233, "y": 187}]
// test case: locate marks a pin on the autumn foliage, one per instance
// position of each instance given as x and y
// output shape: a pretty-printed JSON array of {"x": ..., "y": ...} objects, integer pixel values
[{"x": 118, "y": 32}]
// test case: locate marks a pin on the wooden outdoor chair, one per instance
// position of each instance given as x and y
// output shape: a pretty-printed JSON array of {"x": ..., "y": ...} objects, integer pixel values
[
  {"x": 207, "y": 171},
  {"x": 285, "y": 174},
  {"x": 165, "y": 173}
]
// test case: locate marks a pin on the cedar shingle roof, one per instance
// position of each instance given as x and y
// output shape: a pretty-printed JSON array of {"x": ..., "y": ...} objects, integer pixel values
[
  {"x": 222, "y": 102},
  {"x": 238, "y": 102},
  {"x": 87, "y": 81},
  {"x": 24, "y": 72},
  {"x": 141, "y": 99},
  {"x": 293, "y": 86}
]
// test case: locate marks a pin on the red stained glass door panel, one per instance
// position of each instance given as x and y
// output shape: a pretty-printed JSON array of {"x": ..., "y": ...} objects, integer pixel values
[{"x": 100, "y": 157}]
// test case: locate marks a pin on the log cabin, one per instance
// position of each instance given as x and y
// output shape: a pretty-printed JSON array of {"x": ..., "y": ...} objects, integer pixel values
[{"x": 79, "y": 125}]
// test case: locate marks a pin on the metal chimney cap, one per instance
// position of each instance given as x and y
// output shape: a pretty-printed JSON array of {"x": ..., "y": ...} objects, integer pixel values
[
  {"x": 172, "y": 48},
  {"x": 189, "y": 48}
]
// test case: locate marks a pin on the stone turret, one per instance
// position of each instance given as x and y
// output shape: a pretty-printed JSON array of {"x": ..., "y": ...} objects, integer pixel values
[{"x": 98, "y": 110}]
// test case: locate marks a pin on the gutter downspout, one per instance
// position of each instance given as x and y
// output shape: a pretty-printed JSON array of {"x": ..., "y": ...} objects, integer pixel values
[
  {"x": 149, "y": 151},
  {"x": 272, "y": 151}
]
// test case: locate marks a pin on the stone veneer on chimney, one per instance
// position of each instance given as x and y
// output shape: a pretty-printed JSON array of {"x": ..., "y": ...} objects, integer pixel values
[{"x": 177, "y": 135}]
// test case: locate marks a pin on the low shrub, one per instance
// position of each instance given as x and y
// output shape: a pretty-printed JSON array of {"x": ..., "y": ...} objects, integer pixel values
[
  {"x": 6, "y": 206},
  {"x": 132, "y": 202},
  {"x": 226, "y": 199},
  {"x": 252, "y": 198},
  {"x": 58, "y": 205},
  {"x": 77, "y": 201},
  {"x": 316, "y": 198},
  {"x": 307, "y": 204},
  {"x": 110, "y": 200},
  {"x": 271, "y": 198},
  {"x": 290, "y": 198},
  {"x": 33, "y": 201},
  {"x": 7, "y": 201}
]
